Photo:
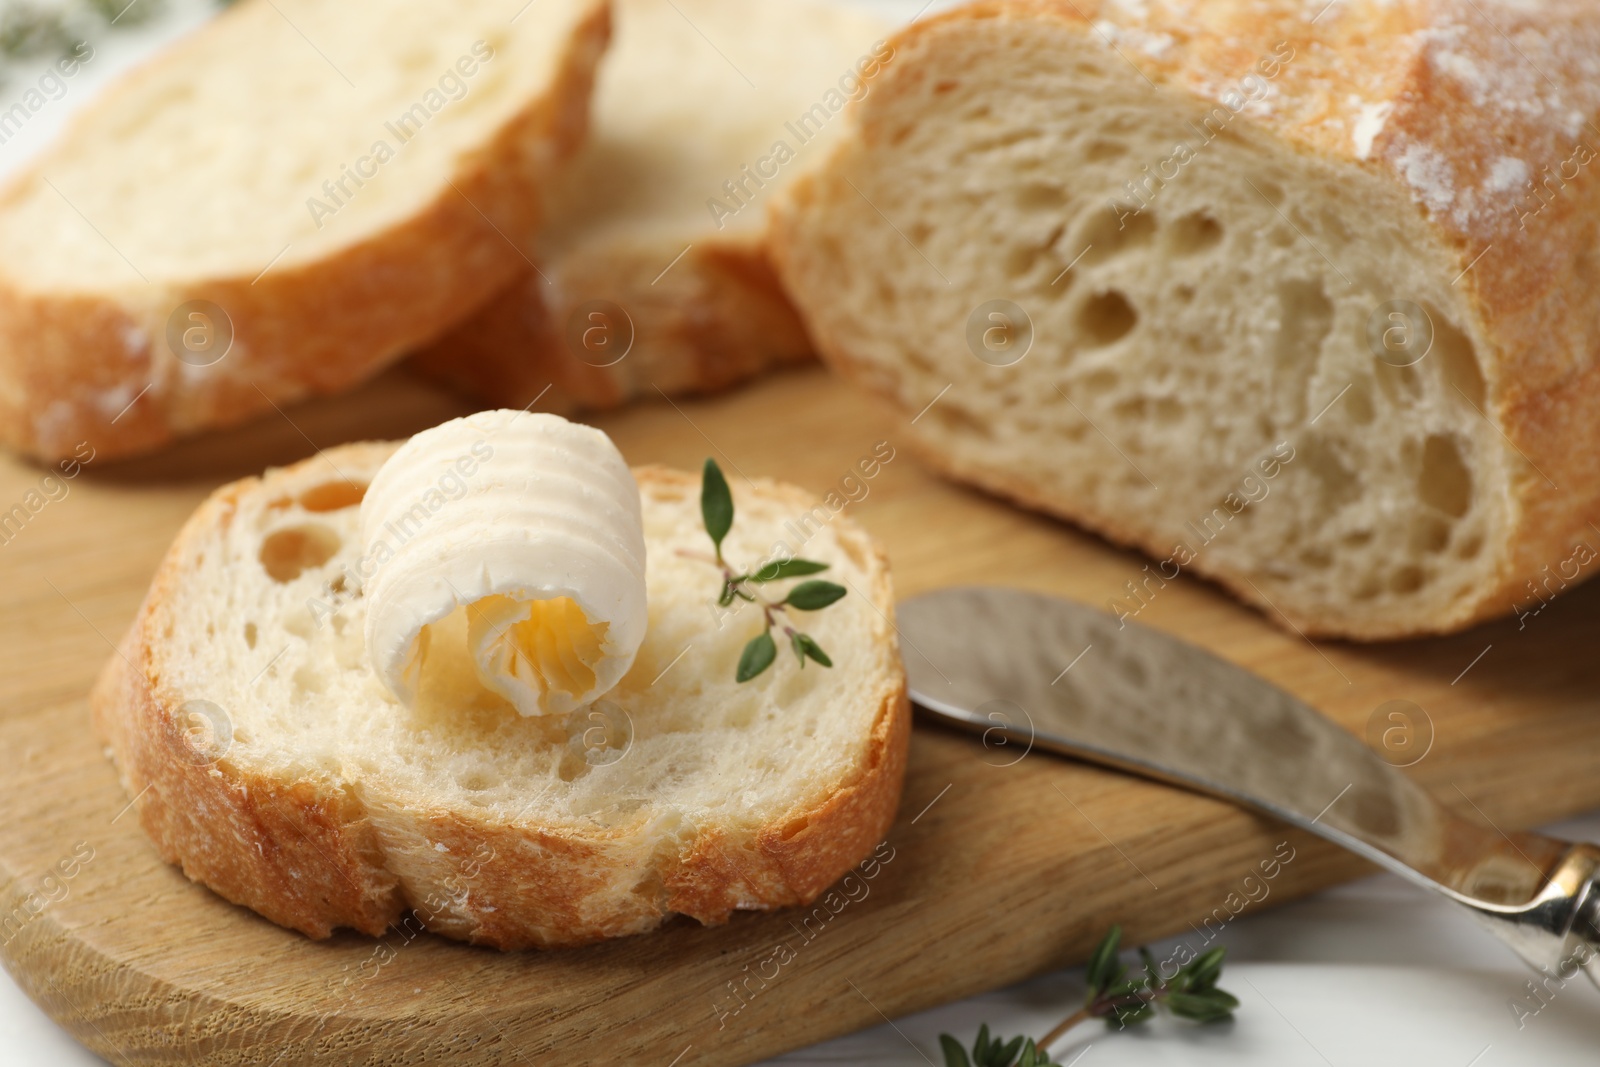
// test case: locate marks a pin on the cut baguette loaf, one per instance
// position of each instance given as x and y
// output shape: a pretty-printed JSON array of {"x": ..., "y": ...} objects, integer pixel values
[
  {"x": 312, "y": 796},
  {"x": 242, "y": 168},
  {"x": 1210, "y": 222},
  {"x": 692, "y": 95}
]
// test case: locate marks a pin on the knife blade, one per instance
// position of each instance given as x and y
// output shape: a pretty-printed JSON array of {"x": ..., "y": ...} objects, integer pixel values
[{"x": 1044, "y": 672}]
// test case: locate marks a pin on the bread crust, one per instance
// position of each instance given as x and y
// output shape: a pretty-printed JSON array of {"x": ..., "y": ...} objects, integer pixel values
[
  {"x": 635, "y": 221},
  {"x": 1451, "y": 80},
  {"x": 72, "y": 366},
  {"x": 718, "y": 318},
  {"x": 307, "y": 855}
]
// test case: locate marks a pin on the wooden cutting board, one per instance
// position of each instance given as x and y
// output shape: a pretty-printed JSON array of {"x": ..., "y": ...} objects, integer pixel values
[{"x": 994, "y": 871}]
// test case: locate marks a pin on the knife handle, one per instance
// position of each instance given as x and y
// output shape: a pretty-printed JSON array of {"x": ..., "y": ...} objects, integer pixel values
[{"x": 1558, "y": 932}]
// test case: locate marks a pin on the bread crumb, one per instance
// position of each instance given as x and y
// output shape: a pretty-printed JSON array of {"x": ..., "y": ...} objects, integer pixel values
[
  {"x": 1428, "y": 173},
  {"x": 1508, "y": 173},
  {"x": 1368, "y": 125}
]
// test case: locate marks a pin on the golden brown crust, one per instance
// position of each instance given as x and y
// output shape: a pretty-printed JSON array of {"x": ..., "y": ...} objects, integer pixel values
[
  {"x": 71, "y": 364},
  {"x": 299, "y": 853},
  {"x": 717, "y": 318},
  {"x": 1444, "y": 99},
  {"x": 306, "y": 855}
]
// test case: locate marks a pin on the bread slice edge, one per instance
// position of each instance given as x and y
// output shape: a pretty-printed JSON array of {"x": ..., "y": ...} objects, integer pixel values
[{"x": 306, "y": 855}]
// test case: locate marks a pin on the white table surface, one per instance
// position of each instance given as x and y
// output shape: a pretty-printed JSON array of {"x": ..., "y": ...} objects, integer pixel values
[{"x": 1374, "y": 974}]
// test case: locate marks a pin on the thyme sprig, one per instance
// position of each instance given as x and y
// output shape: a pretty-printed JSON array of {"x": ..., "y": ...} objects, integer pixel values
[
  {"x": 716, "y": 510},
  {"x": 1118, "y": 998}
]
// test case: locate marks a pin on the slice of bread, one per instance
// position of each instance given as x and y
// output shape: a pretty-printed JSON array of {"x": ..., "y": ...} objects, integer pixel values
[
  {"x": 653, "y": 272},
  {"x": 276, "y": 207},
  {"x": 272, "y": 764},
  {"x": 1311, "y": 300}
]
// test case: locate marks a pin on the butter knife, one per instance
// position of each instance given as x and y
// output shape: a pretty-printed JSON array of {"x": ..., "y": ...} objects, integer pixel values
[{"x": 1051, "y": 674}]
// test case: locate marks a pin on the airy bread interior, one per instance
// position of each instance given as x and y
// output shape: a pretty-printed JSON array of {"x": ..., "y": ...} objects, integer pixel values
[
  {"x": 702, "y": 111},
  {"x": 1192, "y": 309},
  {"x": 678, "y": 749},
  {"x": 692, "y": 93},
  {"x": 237, "y": 129}
]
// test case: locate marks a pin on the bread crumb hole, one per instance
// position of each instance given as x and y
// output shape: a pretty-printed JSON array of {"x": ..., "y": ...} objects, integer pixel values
[
  {"x": 1316, "y": 558},
  {"x": 1098, "y": 384},
  {"x": 1430, "y": 534},
  {"x": 1457, "y": 359},
  {"x": 1194, "y": 233},
  {"x": 1358, "y": 403},
  {"x": 1106, "y": 318},
  {"x": 1337, "y": 484},
  {"x": 1470, "y": 547},
  {"x": 307, "y": 680},
  {"x": 250, "y": 635},
  {"x": 332, "y": 496},
  {"x": 1445, "y": 481},
  {"x": 1134, "y": 408},
  {"x": 293, "y": 550},
  {"x": 1040, "y": 196},
  {"x": 1020, "y": 260},
  {"x": 1402, "y": 385},
  {"x": 1305, "y": 318},
  {"x": 1104, "y": 151},
  {"x": 959, "y": 420},
  {"x": 1112, "y": 231},
  {"x": 1407, "y": 580}
]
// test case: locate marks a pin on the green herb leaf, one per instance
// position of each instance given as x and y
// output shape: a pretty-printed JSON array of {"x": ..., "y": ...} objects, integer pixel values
[
  {"x": 814, "y": 595},
  {"x": 1032, "y": 1056},
  {"x": 954, "y": 1054},
  {"x": 1120, "y": 998},
  {"x": 1103, "y": 963},
  {"x": 1202, "y": 1007},
  {"x": 805, "y": 646},
  {"x": 788, "y": 568},
  {"x": 716, "y": 504},
  {"x": 728, "y": 593},
  {"x": 757, "y": 657},
  {"x": 1201, "y": 975},
  {"x": 1152, "y": 975}
]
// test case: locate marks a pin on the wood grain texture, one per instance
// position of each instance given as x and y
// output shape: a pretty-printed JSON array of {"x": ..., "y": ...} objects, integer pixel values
[{"x": 992, "y": 872}]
